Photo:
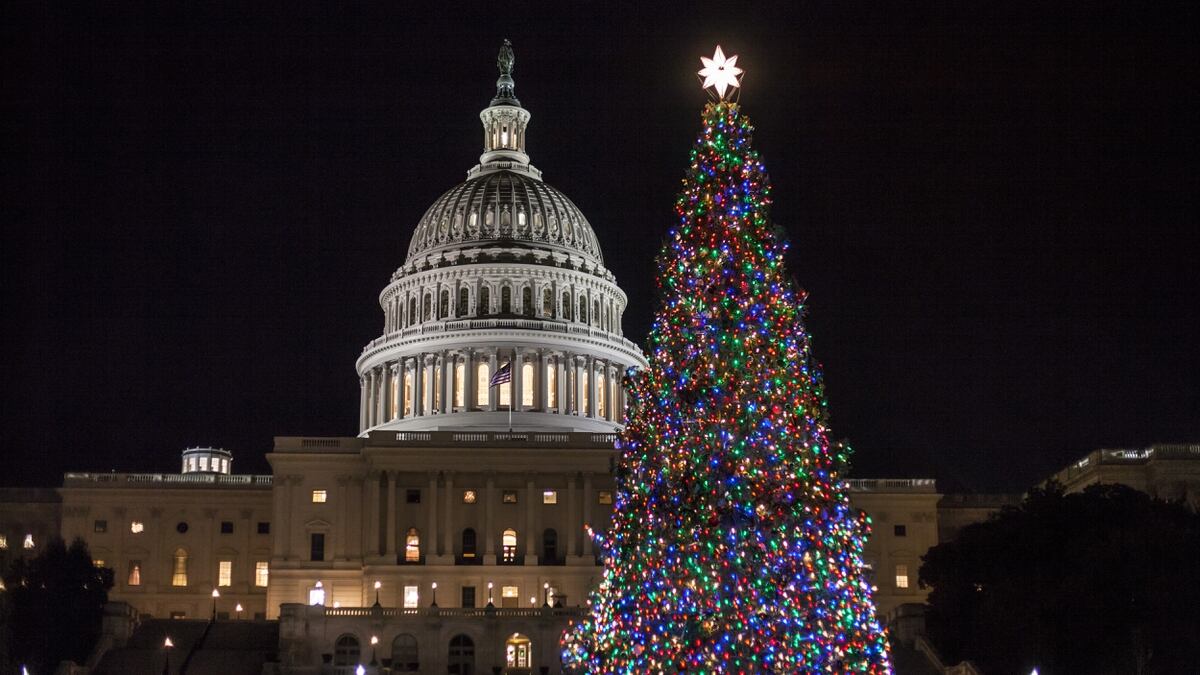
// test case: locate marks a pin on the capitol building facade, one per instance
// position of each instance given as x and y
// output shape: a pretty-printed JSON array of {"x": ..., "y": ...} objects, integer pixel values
[{"x": 451, "y": 534}]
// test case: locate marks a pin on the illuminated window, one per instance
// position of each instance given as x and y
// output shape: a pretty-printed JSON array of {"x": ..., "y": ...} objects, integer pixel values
[
  {"x": 436, "y": 390},
  {"x": 505, "y": 391},
  {"x": 460, "y": 384},
  {"x": 179, "y": 575},
  {"x": 412, "y": 597},
  {"x": 549, "y": 496},
  {"x": 509, "y": 592},
  {"x": 508, "y": 597},
  {"x": 901, "y": 576},
  {"x": 225, "y": 573},
  {"x": 551, "y": 385},
  {"x": 137, "y": 527},
  {"x": 28, "y": 541},
  {"x": 509, "y": 497},
  {"x": 520, "y": 217},
  {"x": 509, "y": 546},
  {"x": 408, "y": 392},
  {"x": 601, "y": 399},
  {"x": 98, "y": 562},
  {"x": 319, "y": 496},
  {"x": 412, "y": 546},
  {"x": 316, "y": 594},
  {"x": 482, "y": 377},
  {"x": 604, "y": 497},
  {"x": 100, "y": 526},
  {"x": 469, "y": 496},
  {"x": 586, "y": 377},
  {"x": 262, "y": 573},
  {"x": 3, "y": 542},
  {"x": 518, "y": 652},
  {"x": 134, "y": 577},
  {"x": 527, "y": 385}
]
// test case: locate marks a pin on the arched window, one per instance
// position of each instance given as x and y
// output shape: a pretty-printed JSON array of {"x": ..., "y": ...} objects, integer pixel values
[
  {"x": 527, "y": 301},
  {"x": 444, "y": 305},
  {"x": 485, "y": 301},
  {"x": 547, "y": 303},
  {"x": 427, "y": 309},
  {"x": 461, "y": 657},
  {"x": 473, "y": 219},
  {"x": 508, "y": 546},
  {"x": 346, "y": 651},
  {"x": 552, "y": 385},
  {"x": 527, "y": 385},
  {"x": 601, "y": 395},
  {"x": 404, "y": 654},
  {"x": 463, "y": 299},
  {"x": 518, "y": 652},
  {"x": 179, "y": 572},
  {"x": 483, "y": 375},
  {"x": 460, "y": 384},
  {"x": 520, "y": 217},
  {"x": 582, "y": 309},
  {"x": 550, "y": 545},
  {"x": 506, "y": 300},
  {"x": 412, "y": 313},
  {"x": 566, "y": 306},
  {"x": 408, "y": 392},
  {"x": 412, "y": 546},
  {"x": 596, "y": 311},
  {"x": 468, "y": 543}
]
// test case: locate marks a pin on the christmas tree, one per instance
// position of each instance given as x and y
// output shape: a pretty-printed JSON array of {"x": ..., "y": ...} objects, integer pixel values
[{"x": 733, "y": 547}]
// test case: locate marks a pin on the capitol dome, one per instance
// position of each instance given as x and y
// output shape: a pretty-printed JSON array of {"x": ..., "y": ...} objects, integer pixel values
[{"x": 503, "y": 314}]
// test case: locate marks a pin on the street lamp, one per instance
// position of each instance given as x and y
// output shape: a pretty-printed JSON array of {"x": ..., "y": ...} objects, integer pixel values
[
  {"x": 378, "y": 585},
  {"x": 490, "y": 595},
  {"x": 215, "y": 594},
  {"x": 167, "y": 645},
  {"x": 238, "y": 609},
  {"x": 434, "y": 603},
  {"x": 546, "y": 590},
  {"x": 360, "y": 670},
  {"x": 532, "y": 601},
  {"x": 374, "y": 641}
]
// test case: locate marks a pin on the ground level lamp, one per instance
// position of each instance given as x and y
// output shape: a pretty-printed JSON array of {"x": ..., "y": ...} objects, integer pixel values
[{"x": 215, "y": 594}]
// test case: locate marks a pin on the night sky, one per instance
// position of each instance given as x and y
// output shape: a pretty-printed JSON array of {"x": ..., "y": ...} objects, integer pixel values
[{"x": 993, "y": 207}]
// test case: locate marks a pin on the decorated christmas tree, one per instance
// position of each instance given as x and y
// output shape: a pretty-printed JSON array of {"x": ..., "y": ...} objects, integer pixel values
[{"x": 733, "y": 547}]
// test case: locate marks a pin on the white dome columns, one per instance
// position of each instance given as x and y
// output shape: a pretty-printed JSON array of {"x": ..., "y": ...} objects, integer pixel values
[{"x": 504, "y": 135}]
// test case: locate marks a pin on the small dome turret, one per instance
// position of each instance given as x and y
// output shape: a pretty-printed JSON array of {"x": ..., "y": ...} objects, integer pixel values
[{"x": 207, "y": 460}]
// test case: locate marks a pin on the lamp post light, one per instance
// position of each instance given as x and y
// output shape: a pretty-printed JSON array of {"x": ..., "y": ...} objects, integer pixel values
[
  {"x": 215, "y": 594},
  {"x": 374, "y": 641},
  {"x": 532, "y": 601},
  {"x": 434, "y": 603},
  {"x": 490, "y": 604},
  {"x": 378, "y": 585},
  {"x": 546, "y": 592},
  {"x": 167, "y": 645},
  {"x": 360, "y": 670},
  {"x": 238, "y": 609}
]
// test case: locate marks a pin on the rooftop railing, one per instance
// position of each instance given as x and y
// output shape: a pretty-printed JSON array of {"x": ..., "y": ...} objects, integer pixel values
[
  {"x": 1128, "y": 456},
  {"x": 892, "y": 485},
  {"x": 448, "y": 439},
  {"x": 450, "y": 612},
  {"x": 159, "y": 480}
]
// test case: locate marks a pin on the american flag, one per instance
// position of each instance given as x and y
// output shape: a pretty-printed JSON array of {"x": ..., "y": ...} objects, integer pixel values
[{"x": 502, "y": 376}]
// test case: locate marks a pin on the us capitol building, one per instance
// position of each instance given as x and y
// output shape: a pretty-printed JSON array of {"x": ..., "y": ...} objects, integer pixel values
[{"x": 449, "y": 535}]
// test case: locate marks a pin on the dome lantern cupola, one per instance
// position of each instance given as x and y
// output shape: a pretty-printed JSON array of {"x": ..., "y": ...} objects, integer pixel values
[{"x": 504, "y": 123}]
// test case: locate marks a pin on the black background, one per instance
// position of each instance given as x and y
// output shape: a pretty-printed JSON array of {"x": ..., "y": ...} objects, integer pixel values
[{"x": 992, "y": 205}]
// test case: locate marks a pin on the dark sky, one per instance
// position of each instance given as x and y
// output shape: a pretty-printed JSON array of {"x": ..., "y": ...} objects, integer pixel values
[{"x": 992, "y": 205}]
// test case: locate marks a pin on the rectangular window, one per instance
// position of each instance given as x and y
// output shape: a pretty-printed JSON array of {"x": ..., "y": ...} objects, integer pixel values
[
  {"x": 178, "y": 615},
  {"x": 3, "y": 542},
  {"x": 901, "y": 576},
  {"x": 135, "y": 573},
  {"x": 98, "y": 562},
  {"x": 137, "y": 527},
  {"x": 100, "y": 526},
  {"x": 508, "y": 597},
  {"x": 527, "y": 385},
  {"x": 900, "y": 530},
  {"x": 28, "y": 541},
  {"x": 551, "y": 385},
  {"x": 264, "y": 528},
  {"x": 319, "y": 496},
  {"x": 604, "y": 497},
  {"x": 549, "y": 496},
  {"x": 226, "y": 527},
  {"x": 412, "y": 597},
  {"x": 225, "y": 573},
  {"x": 509, "y": 497},
  {"x": 262, "y": 573},
  {"x": 317, "y": 549},
  {"x": 460, "y": 383},
  {"x": 469, "y": 496},
  {"x": 468, "y": 596},
  {"x": 412, "y": 496}
]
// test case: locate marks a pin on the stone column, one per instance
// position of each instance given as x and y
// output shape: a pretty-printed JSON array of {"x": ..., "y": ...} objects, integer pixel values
[
  {"x": 578, "y": 384},
  {"x": 469, "y": 381},
  {"x": 410, "y": 408},
  {"x": 362, "y": 404},
  {"x": 493, "y": 392},
  {"x": 431, "y": 547},
  {"x": 371, "y": 519},
  {"x": 541, "y": 397},
  {"x": 518, "y": 380},
  {"x": 390, "y": 478},
  {"x": 593, "y": 407},
  {"x": 573, "y": 525},
  {"x": 448, "y": 518},
  {"x": 588, "y": 499},
  {"x": 427, "y": 387},
  {"x": 560, "y": 384},
  {"x": 531, "y": 557},
  {"x": 489, "y": 526},
  {"x": 369, "y": 409},
  {"x": 449, "y": 366}
]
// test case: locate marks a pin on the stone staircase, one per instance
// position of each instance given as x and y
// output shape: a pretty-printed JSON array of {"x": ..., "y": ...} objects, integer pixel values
[{"x": 201, "y": 648}]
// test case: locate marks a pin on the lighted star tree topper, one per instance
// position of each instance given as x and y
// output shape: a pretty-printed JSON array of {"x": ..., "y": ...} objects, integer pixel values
[{"x": 733, "y": 546}]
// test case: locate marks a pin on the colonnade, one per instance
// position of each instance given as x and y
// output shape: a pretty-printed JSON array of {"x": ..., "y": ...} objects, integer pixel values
[
  {"x": 441, "y": 538},
  {"x": 458, "y": 380}
]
